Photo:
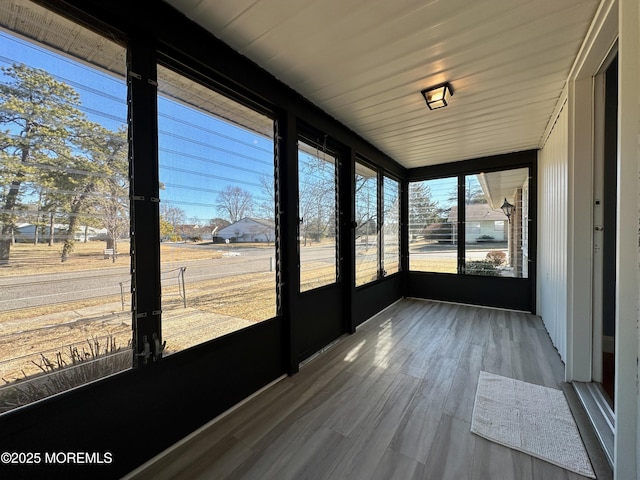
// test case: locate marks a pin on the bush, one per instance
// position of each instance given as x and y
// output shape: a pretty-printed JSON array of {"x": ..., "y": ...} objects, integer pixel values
[
  {"x": 67, "y": 371},
  {"x": 497, "y": 257},
  {"x": 481, "y": 267},
  {"x": 441, "y": 232}
]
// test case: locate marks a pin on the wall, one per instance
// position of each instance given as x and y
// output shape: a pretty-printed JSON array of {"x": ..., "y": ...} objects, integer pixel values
[{"x": 552, "y": 240}]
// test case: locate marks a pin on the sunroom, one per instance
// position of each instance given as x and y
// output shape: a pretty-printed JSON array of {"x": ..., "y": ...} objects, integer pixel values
[{"x": 371, "y": 243}]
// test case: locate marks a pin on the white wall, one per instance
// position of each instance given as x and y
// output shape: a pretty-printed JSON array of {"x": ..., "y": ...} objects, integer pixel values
[
  {"x": 552, "y": 228},
  {"x": 621, "y": 19}
]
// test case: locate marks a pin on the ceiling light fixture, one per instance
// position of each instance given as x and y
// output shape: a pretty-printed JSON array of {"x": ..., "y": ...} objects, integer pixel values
[{"x": 438, "y": 96}]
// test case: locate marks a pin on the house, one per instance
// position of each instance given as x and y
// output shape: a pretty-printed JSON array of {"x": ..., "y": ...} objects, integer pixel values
[
  {"x": 246, "y": 230},
  {"x": 26, "y": 232},
  {"x": 483, "y": 223},
  {"x": 541, "y": 97}
]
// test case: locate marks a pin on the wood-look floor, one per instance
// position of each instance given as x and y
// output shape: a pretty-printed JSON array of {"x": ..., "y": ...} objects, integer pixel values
[{"x": 392, "y": 401}]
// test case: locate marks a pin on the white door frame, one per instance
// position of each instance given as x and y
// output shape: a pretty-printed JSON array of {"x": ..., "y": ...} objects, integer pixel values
[
  {"x": 615, "y": 19},
  {"x": 596, "y": 47}
]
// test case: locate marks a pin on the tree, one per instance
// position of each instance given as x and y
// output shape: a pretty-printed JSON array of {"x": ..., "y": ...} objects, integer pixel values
[
  {"x": 235, "y": 202},
  {"x": 215, "y": 224},
  {"x": 49, "y": 146},
  {"x": 422, "y": 209},
  {"x": 39, "y": 119},
  {"x": 92, "y": 177},
  {"x": 265, "y": 206},
  {"x": 316, "y": 204},
  {"x": 175, "y": 216},
  {"x": 366, "y": 205},
  {"x": 110, "y": 205},
  {"x": 472, "y": 193},
  {"x": 166, "y": 229}
]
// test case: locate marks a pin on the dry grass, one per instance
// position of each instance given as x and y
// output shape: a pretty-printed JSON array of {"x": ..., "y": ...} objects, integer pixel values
[
  {"x": 214, "y": 307},
  {"x": 434, "y": 264},
  {"x": 29, "y": 259},
  {"x": 35, "y": 312},
  {"x": 251, "y": 296}
]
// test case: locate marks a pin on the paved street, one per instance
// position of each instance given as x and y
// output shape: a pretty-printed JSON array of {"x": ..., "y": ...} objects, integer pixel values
[
  {"x": 45, "y": 289},
  {"x": 39, "y": 290}
]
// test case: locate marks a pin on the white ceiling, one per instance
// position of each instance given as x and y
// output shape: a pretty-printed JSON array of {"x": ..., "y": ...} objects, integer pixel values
[{"x": 366, "y": 61}]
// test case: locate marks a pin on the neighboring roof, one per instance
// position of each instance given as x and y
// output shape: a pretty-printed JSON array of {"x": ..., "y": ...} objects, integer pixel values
[
  {"x": 477, "y": 212},
  {"x": 266, "y": 223},
  {"x": 269, "y": 224}
]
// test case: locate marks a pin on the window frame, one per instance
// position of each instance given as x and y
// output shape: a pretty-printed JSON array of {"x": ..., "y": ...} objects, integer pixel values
[
  {"x": 458, "y": 170},
  {"x": 380, "y": 173}
]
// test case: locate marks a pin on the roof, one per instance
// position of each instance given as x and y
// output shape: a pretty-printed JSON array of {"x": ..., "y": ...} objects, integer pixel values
[
  {"x": 477, "y": 212},
  {"x": 268, "y": 224}
]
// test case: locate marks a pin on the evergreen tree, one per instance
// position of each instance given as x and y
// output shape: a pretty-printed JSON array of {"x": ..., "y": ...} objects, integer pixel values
[
  {"x": 48, "y": 145},
  {"x": 38, "y": 116},
  {"x": 423, "y": 210}
]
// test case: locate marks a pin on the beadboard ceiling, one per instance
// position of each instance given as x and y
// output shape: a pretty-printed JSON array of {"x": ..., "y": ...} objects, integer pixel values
[{"x": 365, "y": 62}]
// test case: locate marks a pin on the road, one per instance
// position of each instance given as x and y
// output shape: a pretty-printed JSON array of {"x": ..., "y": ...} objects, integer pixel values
[
  {"x": 40, "y": 290},
  {"x": 46, "y": 289}
]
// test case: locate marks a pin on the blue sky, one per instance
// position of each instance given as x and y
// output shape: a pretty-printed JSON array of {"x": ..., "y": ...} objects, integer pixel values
[
  {"x": 199, "y": 154},
  {"x": 103, "y": 96}
]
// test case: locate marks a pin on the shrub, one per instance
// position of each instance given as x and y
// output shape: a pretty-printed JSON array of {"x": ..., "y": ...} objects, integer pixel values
[
  {"x": 497, "y": 257},
  {"x": 66, "y": 371},
  {"x": 481, "y": 267},
  {"x": 441, "y": 232}
]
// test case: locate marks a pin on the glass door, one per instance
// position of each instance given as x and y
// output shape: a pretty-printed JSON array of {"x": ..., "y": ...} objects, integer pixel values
[{"x": 320, "y": 291}]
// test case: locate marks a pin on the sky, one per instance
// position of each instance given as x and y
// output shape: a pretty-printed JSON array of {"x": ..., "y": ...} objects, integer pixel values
[
  {"x": 199, "y": 154},
  {"x": 103, "y": 96}
]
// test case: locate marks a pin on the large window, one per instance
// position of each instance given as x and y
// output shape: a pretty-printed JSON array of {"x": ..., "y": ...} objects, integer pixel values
[
  {"x": 217, "y": 213},
  {"x": 366, "y": 208},
  {"x": 65, "y": 310},
  {"x": 493, "y": 243},
  {"x": 433, "y": 228},
  {"x": 377, "y": 225},
  {"x": 318, "y": 239},
  {"x": 390, "y": 235}
]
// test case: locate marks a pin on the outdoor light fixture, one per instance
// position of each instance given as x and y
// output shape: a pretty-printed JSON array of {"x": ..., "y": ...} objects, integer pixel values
[
  {"x": 507, "y": 208},
  {"x": 438, "y": 96}
]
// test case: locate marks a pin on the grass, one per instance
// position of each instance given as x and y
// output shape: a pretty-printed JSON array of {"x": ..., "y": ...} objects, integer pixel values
[
  {"x": 65, "y": 370},
  {"x": 35, "y": 312},
  {"x": 435, "y": 265},
  {"x": 214, "y": 307},
  {"x": 29, "y": 259}
]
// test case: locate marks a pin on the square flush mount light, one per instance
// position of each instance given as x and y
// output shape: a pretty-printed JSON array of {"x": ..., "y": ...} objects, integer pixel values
[{"x": 438, "y": 96}]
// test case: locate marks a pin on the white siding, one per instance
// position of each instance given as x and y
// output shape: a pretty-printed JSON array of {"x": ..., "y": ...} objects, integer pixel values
[{"x": 552, "y": 228}]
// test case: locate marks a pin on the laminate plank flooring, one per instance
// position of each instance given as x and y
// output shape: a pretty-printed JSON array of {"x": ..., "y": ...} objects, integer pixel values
[{"x": 392, "y": 401}]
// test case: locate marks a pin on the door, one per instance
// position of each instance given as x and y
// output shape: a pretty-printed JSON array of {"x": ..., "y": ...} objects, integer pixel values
[
  {"x": 320, "y": 317},
  {"x": 605, "y": 225}
]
